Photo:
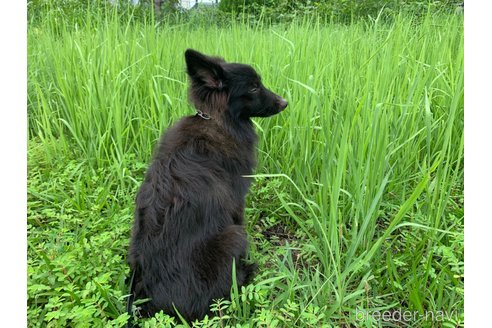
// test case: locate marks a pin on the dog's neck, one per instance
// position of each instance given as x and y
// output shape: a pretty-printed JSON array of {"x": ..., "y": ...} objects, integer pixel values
[{"x": 240, "y": 129}]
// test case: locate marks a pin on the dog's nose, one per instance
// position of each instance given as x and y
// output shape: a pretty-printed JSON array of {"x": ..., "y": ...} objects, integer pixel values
[{"x": 282, "y": 103}]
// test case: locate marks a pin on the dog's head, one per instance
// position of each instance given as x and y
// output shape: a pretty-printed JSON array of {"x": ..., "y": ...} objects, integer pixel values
[{"x": 219, "y": 86}]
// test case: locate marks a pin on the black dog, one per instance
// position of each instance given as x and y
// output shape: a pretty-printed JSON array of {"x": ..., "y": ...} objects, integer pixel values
[{"x": 188, "y": 226}]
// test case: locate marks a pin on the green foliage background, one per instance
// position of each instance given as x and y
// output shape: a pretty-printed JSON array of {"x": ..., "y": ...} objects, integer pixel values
[{"x": 357, "y": 203}]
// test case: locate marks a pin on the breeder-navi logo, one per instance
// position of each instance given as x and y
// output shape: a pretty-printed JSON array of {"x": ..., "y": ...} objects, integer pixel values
[{"x": 399, "y": 315}]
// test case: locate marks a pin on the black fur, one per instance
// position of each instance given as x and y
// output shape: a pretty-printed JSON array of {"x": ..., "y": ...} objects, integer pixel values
[{"x": 189, "y": 210}]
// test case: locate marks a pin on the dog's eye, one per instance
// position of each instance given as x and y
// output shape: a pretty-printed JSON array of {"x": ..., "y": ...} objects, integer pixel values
[{"x": 254, "y": 90}]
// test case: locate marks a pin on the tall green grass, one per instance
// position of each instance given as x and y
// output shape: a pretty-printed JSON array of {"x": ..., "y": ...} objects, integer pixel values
[{"x": 365, "y": 166}]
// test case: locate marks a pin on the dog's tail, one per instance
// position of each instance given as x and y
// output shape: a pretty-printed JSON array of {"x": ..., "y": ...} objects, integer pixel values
[{"x": 129, "y": 303}]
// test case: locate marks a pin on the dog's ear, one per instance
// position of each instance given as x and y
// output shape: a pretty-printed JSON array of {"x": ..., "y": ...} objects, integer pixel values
[{"x": 205, "y": 70}]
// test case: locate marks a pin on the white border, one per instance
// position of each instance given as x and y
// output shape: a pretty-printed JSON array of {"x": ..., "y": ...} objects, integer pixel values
[
  {"x": 478, "y": 150},
  {"x": 13, "y": 136}
]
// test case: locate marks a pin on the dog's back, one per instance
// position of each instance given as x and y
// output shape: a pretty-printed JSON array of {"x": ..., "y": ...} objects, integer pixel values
[{"x": 189, "y": 210}]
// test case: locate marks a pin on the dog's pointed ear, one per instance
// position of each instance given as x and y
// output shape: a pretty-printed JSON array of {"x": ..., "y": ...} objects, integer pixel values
[{"x": 205, "y": 70}]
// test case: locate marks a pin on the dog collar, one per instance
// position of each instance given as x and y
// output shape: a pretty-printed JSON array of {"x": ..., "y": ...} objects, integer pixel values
[{"x": 203, "y": 115}]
